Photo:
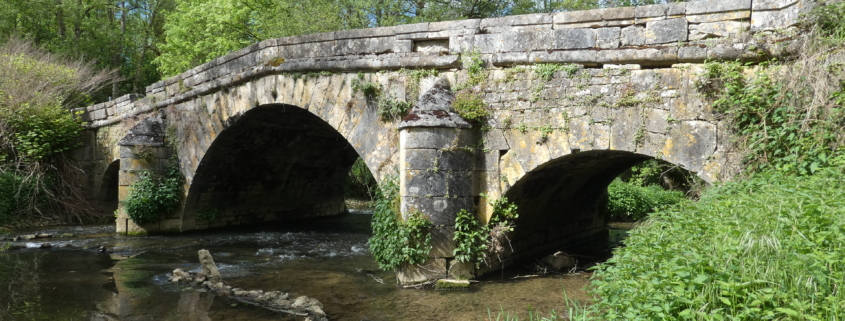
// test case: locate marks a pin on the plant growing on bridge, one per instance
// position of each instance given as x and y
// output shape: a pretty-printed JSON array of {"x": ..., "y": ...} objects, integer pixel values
[
  {"x": 396, "y": 242},
  {"x": 470, "y": 106},
  {"x": 476, "y": 242},
  {"x": 154, "y": 195}
]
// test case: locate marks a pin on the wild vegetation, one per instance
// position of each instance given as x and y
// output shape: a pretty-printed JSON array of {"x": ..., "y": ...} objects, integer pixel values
[
  {"x": 153, "y": 194},
  {"x": 768, "y": 246},
  {"x": 397, "y": 242},
  {"x": 36, "y": 128}
]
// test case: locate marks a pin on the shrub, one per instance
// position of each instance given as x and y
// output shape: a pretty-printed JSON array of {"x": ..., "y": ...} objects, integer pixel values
[
  {"x": 396, "y": 242},
  {"x": 768, "y": 248},
  {"x": 37, "y": 89},
  {"x": 629, "y": 202},
  {"x": 470, "y": 106},
  {"x": 151, "y": 196}
]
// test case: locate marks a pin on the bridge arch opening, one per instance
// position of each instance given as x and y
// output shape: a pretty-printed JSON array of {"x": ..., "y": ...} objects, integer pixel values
[
  {"x": 107, "y": 198},
  {"x": 561, "y": 205},
  {"x": 271, "y": 163}
]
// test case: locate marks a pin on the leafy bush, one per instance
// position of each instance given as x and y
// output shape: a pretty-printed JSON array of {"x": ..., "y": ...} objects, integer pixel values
[
  {"x": 151, "y": 196},
  {"x": 630, "y": 202},
  {"x": 37, "y": 89},
  {"x": 768, "y": 248},
  {"x": 470, "y": 106},
  {"x": 471, "y": 238},
  {"x": 396, "y": 242},
  {"x": 476, "y": 242},
  {"x": 787, "y": 116}
]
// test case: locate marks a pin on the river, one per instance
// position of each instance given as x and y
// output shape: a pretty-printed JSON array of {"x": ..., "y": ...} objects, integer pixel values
[{"x": 325, "y": 259}]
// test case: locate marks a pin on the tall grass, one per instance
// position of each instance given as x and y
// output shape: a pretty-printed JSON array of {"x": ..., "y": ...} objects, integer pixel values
[{"x": 768, "y": 248}]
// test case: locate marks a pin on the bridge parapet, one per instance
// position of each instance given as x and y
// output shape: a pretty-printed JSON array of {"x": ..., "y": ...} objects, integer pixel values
[{"x": 656, "y": 35}]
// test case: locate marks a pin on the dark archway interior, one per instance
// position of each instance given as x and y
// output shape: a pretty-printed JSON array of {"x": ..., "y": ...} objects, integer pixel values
[
  {"x": 559, "y": 203},
  {"x": 108, "y": 198},
  {"x": 274, "y": 162}
]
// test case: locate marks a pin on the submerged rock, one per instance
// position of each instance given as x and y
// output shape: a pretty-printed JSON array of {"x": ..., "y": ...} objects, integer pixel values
[
  {"x": 451, "y": 285},
  {"x": 559, "y": 261}
]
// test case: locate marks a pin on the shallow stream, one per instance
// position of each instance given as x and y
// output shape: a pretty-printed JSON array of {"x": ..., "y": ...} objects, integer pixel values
[{"x": 326, "y": 259}]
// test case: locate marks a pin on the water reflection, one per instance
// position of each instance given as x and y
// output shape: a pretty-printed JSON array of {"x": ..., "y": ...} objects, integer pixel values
[{"x": 330, "y": 263}]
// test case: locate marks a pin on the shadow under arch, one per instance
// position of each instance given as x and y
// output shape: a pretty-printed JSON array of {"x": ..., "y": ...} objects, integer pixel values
[
  {"x": 273, "y": 162},
  {"x": 560, "y": 202},
  {"x": 107, "y": 196}
]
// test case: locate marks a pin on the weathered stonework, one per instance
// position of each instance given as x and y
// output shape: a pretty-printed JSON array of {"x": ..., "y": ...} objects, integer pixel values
[{"x": 260, "y": 139}]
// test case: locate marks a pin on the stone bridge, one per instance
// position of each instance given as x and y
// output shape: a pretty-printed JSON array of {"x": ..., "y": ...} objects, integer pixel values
[{"x": 269, "y": 132}]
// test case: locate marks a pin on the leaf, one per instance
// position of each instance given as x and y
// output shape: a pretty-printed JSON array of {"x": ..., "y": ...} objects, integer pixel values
[{"x": 787, "y": 311}]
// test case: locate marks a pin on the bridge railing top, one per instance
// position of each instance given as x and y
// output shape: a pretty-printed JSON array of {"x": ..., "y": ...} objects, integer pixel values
[{"x": 651, "y": 35}]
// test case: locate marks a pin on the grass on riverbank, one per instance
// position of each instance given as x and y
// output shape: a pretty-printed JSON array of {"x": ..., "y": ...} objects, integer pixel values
[{"x": 766, "y": 248}]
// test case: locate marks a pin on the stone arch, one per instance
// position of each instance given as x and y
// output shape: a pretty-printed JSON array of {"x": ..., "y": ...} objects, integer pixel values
[
  {"x": 560, "y": 203},
  {"x": 273, "y": 162},
  {"x": 107, "y": 196},
  {"x": 325, "y": 106}
]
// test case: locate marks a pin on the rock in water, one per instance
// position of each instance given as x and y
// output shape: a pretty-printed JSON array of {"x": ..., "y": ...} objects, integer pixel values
[
  {"x": 209, "y": 269},
  {"x": 559, "y": 261},
  {"x": 451, "y": 285}
]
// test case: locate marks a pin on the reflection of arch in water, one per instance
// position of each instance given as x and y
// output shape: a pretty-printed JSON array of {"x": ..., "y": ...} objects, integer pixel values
[
  {"x": 560, "y": 203},
  {"x": 107, "y": 198}
]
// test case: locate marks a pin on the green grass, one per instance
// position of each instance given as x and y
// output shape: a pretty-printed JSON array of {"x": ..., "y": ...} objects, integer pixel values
[{"x": 767, "y": 248}]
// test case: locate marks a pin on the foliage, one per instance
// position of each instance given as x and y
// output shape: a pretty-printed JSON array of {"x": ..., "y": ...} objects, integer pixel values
[
  {"x": 391, "y": 108},
  {"x": 153, "y": 195},
  {"x": 630, "y": 202},
  {"x": 547, "y": 71},
  {"x": 470, "y": 106},
  {"x": 208, "y": 214},
  {"x": 360, "y": 181},
  {"x": 36, "y": 127},
  {"x": 417, "y": 75},
  {"x": 476, "y": 242},
  {"x": 471, "y": 238},
  {"x": 371, "y": 90},
  {"x": 780, "y": 122},
  {"x": 787, "y": 116},
  {"x": 118, "y": 35},
  {"x": 396, "y": 242},
  {"x": 767, "y": 248}
]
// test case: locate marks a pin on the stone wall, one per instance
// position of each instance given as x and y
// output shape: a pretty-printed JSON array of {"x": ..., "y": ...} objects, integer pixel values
[{"x": 649, "y": 35}]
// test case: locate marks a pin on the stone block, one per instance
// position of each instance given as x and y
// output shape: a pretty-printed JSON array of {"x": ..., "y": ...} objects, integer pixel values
[
  {"x": 403, "y": 45},
  {"x": 778, "y": 19},
  {"x": 509, "y": 58},
  {"x": 414, "y": 274},
  {"x": 711, "y": 6},
  {"x": 771, "y": 4},
  {"x": 628, "y": 56},
  {"x": 570, "y": 56},
  {"x": 574, "y": 38},
  {"x": 442, "y": 245},
  {"x": 665, "y": 31},
  {"x": 690, "y": 144},
  {"x": 526, "y": 40},
  {"x": 461, "y": 271},
  {"x": 518, "y": 20},
  {"x": 660, "y": 10},
  {"x": 608, "y": 38},
  {"x": 490, "y": 43},
  {"x": 632, "y": 36},
  {"x": 440, "y": 210},
  {"x": 720, "y": 29},
  {"x": 721, "y": 16},
  {"x": 692, "y": 53},
  {"x": 437, "y": 138}
]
